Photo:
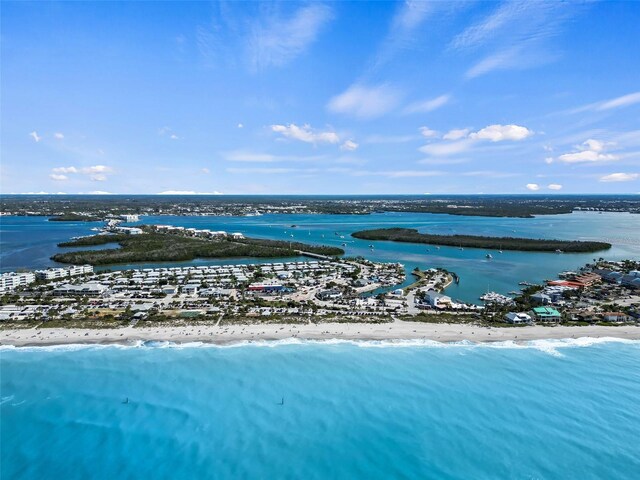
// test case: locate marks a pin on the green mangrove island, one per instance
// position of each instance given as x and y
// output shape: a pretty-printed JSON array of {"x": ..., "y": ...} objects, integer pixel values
[
  {"x": 162, "y": 247},
  {"x": 75, "y": 217},
  {"x": 411, "y": 235}
]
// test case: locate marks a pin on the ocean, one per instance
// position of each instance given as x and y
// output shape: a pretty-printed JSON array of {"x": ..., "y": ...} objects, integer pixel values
[
  {"x": 548, "y": 409},
  {"x": 28, "y": 242}
]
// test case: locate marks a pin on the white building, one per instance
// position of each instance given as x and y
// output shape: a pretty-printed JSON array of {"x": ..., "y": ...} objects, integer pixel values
[
  {"x": 130, "y": 218},
  {"x": 12, "y": 280},
  {"x": 437, "y": 300},
  {"x": 90, "y": 289},
  {"x": 129, "y": 230},
  {"x": 518, "y": 318},
  {"x": 57, "y": 273}
]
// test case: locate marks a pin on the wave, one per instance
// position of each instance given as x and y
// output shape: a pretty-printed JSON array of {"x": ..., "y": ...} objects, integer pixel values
[{"x": 549, "y": 346}]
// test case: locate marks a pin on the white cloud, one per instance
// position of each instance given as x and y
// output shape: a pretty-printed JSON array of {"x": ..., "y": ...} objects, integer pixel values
[
  {"x": 96, "y": 169},
  {"x": 594, "y": 145},
  {"x": 168, "y": 132},
  {"x": 240, "y": 125},
  {"x": 205, "y": 170},
  {"x": 408, "y": 18},
  {"x": 187, "y": 192},
  {"x": 35, "y": 136},
  {"x": 364, "y": 101},
  {"x": 275, "y": 41},
  {"x": 426, "y": 106},
  {"x": 428, "y": 132},
  {"x": 496, "y": 61},
  {"x": 305, "y": 134},
  {"x": 623, "y": 101},
  {"x": 96, "y": 173},
  {"x": 590, "y": 151},
  {"x": 65, "y": 170},
  {"x": 532, "y": 186},
  {"x": 446, "y": 148},
  {"x": 498, "y": 133},
  {"x": 99, "y": 192},
  {"x": 554, "y": 186},
  {"x": 620, "y": 177},
  {"x": 460, "y": 140},
  {"x": 58, "y": 136},
  {"x": 548, "y": 160},
  {"x": 456, "y": 134},
  {"x": 586, "y": 156},
  {"x": 349, "y": 145},
  {"x": 516, "y": 34},
  {"x": 618, "y": 102}
]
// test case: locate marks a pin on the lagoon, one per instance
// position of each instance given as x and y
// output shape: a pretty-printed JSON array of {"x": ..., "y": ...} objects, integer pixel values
[{"x": 28, "y": 242}]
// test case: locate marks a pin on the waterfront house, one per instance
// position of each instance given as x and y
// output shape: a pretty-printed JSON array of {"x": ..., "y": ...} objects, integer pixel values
[
  {"x": 436, "y": 299},
  {"x": 616, "y": 317},
  {"x": 546, "y": 314},
  {"x": 541, "y": 298},
  {"x": 518, "y": 318}
]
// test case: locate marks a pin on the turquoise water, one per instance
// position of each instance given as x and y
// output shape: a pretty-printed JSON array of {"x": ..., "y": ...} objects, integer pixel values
[
  {"x": 28, "y": 242},
  {"x": 552, "y": 409}
]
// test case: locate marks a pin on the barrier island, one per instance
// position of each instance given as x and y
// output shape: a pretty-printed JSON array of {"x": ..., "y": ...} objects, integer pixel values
[
  {"x": 162, "y": 247},
  {"x": 411, "y": 235}
]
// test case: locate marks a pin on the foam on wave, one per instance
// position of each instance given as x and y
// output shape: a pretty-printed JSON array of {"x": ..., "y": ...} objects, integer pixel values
[{"x": 549, "y": 346}]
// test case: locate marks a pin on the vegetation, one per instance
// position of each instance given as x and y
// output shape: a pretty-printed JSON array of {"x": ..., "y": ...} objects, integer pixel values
[
  {"x": 159, "y": 247},
  {"x": 74, "y": 217},
  {"x": 441, "y": 317},
  {"x": 524, "y": 206},
  {"x": 410, "y": 235}
]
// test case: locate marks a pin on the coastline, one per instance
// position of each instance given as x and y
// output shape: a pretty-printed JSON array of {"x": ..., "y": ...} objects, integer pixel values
[{"x": 231, "y": 334}]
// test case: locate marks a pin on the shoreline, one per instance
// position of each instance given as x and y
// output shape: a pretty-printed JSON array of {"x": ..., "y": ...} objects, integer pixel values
[{"x": 232, "y": 334}]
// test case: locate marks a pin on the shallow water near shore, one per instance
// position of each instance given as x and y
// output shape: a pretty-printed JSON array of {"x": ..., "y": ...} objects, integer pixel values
[{"x": 544, "y": 409}]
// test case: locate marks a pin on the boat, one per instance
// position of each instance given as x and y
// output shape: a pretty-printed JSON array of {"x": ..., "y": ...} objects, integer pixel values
[
  {"x": 370, "y": 246},
  {"x": 344, "y": 244},
  {"x": 558, "y": 251},
  {"x": 489, "y": 256},
  {"x": 437, "y": 248}
]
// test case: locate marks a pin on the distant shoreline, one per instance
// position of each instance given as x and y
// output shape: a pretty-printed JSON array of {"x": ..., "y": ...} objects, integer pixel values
[{"x": 233, "y": 334}]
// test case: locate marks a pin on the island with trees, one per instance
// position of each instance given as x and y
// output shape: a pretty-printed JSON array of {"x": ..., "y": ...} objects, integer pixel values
[
  {"x": 411, "y": 235},
  {"x": 162, "y": 247}
]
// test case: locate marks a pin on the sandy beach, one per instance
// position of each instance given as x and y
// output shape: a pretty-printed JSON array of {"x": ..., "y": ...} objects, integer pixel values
[{"x": 398, "y": 330}]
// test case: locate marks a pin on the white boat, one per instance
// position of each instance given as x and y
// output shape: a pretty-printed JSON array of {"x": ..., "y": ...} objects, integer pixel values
[{"x": 489, "y": 256}]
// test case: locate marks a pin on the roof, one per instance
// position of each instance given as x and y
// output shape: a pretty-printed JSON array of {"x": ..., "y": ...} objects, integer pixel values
[{"x": 547, "y": 311}]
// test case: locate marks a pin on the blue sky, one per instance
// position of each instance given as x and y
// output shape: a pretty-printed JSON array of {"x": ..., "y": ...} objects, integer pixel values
[{"x": 261, "y": 98}]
